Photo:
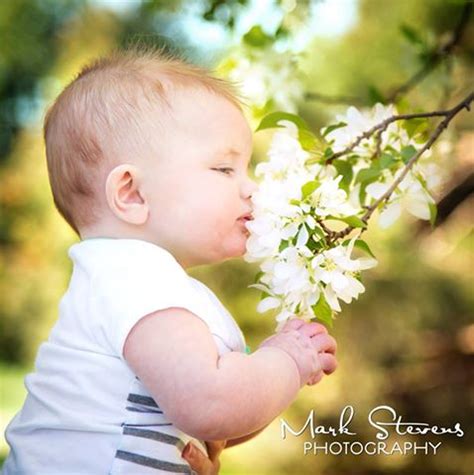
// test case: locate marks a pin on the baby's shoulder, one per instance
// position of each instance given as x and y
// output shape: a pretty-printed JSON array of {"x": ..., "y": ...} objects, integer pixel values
[
  {"x": 112, "y": 258},
  {"x": 203, "y": 289}
]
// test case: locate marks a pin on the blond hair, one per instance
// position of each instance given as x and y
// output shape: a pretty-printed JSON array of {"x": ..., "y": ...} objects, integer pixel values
[{"x": 100, "y": 114}]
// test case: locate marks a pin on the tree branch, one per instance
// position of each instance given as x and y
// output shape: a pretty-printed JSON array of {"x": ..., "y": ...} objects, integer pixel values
[
  {"x": 443, "y": 51},
  {"x": 380, "y": 127},
  {"x": 440, "y": 54},
  {"x": 457, "y": 195},
  {"x": 328, "y": 99},
  {"x": 448, "y": 116}
]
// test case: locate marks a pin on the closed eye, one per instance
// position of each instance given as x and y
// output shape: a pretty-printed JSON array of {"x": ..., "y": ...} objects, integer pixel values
[{"x": 225, "y": 170}]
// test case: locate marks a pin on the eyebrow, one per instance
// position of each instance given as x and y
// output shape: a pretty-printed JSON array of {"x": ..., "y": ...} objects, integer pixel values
[
  {"x": 233, "y": 153},
  {"x": 229, "y": 151}
]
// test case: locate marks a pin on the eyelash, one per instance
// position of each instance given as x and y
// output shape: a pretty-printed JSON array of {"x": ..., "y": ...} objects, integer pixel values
[{"x": 225, "y": 168}]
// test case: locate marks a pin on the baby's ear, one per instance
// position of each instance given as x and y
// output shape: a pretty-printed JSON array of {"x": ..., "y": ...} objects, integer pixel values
[{"x": 122, "y": 189}]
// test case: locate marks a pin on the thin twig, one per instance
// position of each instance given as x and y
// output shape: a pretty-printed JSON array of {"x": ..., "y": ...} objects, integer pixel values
[
  {"x": 327, "y": 99},
  {"x": 465, "y": 104},
  {"x": 448, "y": 116},
  {"x": 378, "y": 145},
  {"x": 440, "y": 54},
  {"x": 382, "y": 126},
  {"x": 329, "y": 232}
]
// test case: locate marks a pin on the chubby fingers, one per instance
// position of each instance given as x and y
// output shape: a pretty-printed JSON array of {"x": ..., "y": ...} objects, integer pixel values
[
  {"x": 315, "y": 378},
  {"x": 328, "y": 362},
  {"x": 312, "y": 328},
  {"x": 323, "y": 342},
  {"x": 293, "y": 324}
]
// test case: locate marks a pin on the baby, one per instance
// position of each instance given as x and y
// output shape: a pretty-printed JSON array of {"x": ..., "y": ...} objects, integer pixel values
[{"x": 148, "y": 159}]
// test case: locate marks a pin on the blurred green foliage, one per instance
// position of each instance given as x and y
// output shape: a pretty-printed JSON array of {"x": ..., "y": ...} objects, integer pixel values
[{"x": 407, "y": 342}]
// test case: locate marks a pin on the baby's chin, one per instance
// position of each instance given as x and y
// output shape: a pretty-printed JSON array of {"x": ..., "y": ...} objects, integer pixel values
[
  {"x": 241, "y": 252},
  {"x": 237, "y": 251}
]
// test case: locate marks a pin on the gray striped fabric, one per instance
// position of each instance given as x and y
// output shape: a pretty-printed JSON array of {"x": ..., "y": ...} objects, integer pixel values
[{"x": 150, "y": 444}]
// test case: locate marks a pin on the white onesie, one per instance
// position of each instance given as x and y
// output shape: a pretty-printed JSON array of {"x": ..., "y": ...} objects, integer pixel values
[{"x": 85, "y": 411}]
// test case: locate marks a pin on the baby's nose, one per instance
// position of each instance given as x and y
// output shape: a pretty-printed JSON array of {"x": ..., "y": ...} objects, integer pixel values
[{"x": 249, "y": 187}]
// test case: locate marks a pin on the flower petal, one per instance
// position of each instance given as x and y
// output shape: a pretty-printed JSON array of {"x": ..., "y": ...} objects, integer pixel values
[
  {"x": 303, "y": 236},
  {"x": 389, "y": 215},
  {"x": 267, "y": 304},
  {"x": 331, "y": 298}
]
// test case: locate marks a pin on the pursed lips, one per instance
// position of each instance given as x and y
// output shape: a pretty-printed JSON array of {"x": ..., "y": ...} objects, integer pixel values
[{"x": 246, "y": 217}]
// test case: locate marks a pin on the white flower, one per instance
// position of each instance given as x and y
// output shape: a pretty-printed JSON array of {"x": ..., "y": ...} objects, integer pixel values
[
  {"x": 265, "y": 237},
  {"x": 267, "y": 304},
  {"x": 285, "y": 155},
  {"x": 289, "y": 272},
  {"x": 298, "y": 269},
  {"x": 288, "y": 278},
  {"x": 329, "y": 199},
  {"x": 265, "y": 74},
  {"x": 336, "y": 269},
  {"x": 360, "y": 122},
  {"x": 409, "y": 195}
]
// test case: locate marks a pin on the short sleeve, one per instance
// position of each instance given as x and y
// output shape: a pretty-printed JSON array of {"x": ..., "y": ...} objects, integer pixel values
[{"x": 126, "y": 292}]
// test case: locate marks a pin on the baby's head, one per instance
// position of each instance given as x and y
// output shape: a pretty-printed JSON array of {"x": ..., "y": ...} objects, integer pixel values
[{"x": 142, "y": 144}]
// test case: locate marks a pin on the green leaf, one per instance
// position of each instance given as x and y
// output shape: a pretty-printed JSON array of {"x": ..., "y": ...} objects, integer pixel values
[
  {"x": 423, "y": 183},
  {"x": 318, "y": 231},
  {"x": 427, "y": 54},
  {"x": 387, "y": 160},
  {"x": 307, "y": 139},
  {"x": 258, "y": 276},
  {"x": 411, "y": 35},
  {"x": 330, "y": 128},
  {"x": 309, "y": 187},
  {"x": 315, "y": 246},
  {"x": 295, "y": 202},
  {"x": 353, "y": 221},
  {"x": 270, "y": 121},
  {"x": 323, "y": 311},
  {"x": 257, "y": 37},
  {"x": 365, "y": 177},
  {"x": 282, "y": 32},
  {"x": 328, "y": 153},
  {"x": 353, "y": 159},
  {"x": 264, "y": 291},
  {"x": 390, "y": 148},
  {"x": 283, "y": 245},
  {"x": 312, "y": 161},
  {"x": 407, "y": 153},
  {"x": 345, "y": 169},
  {"x": 375, "y": 95},
  {"x": 360, "y": 244},
  {"x": 403, "y": 105},
  {"x": 433, "y": 213},
  {"x": 415, "y": 126},
  {"x": 264, "y": 295}
]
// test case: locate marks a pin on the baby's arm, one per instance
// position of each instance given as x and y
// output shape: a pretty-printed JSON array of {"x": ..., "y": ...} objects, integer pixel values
[{"x": 211, "y": 398}]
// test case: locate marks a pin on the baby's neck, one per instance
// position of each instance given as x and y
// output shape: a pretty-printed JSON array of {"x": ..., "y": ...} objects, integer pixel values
[
  {"x": 113, "y": 230},
  {"x": 126, "y": 232}
]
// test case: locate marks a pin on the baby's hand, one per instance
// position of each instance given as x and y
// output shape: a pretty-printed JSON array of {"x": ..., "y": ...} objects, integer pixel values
[{"x": 309, "y": 345}]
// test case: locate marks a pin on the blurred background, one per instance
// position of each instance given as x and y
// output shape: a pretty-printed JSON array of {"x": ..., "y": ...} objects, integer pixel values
[{"x": 409, "y": 340}]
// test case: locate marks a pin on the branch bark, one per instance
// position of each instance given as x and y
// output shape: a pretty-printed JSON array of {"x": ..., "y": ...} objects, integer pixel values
[{"x": 448, "y": 117}]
